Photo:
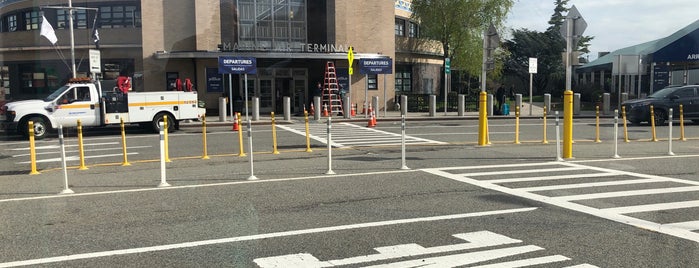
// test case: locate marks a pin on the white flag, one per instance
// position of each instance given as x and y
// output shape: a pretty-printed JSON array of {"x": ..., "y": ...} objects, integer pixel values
[{"x": 47, "y": 31}]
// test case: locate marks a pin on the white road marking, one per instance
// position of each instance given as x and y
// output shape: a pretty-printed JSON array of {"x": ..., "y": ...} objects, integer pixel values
[
  {"x": 100, "y": 254},
  {"x": 461, "y": 259},
  {"x": 687, "y": 225},
  {"x": 352, "y": 135},
  {"x": 506, "y": 172},
  {"x": 476, "y": 240},
  {"x": 614, "y": 214},
  {"x": 652, "y": 207},
  {"x": 557, "y": 177},
  {"x": 629, "y": 193},
  {"x": 526, "y": 262},
  {"x": 588, "y": 184},
  {"x": 75, "y": 158}
]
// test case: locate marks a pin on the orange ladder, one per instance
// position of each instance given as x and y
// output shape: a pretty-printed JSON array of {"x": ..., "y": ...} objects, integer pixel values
[{"x": 331, "y": 90}]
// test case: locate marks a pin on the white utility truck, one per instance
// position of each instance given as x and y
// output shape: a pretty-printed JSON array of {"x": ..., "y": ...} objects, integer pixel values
[{"x": 83, "y": 99}]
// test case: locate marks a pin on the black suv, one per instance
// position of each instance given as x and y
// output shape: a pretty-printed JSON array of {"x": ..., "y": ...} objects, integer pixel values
[{"x": 638, "y": 111}]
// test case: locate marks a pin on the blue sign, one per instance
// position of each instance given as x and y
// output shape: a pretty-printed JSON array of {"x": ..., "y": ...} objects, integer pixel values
[
  {"x": 237, "y": 65},
  {"x": 343, "y": 78},
  {"x": 214, "y": 81},
  {"x": 376, "y": 66}
]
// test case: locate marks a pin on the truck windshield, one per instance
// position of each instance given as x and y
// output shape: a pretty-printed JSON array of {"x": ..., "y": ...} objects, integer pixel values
[{"x": 56, "y": 93}]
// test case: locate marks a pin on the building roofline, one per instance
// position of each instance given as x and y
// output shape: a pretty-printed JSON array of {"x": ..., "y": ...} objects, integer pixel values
[{"x": 263, "y": 55}]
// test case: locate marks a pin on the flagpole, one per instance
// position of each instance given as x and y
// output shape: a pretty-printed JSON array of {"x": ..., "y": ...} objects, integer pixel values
[{"x": 72, "y": 37}]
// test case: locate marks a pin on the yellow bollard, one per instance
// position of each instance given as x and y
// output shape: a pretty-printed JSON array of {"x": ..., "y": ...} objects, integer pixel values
[
  {"x": 240, "y": 138},
  {"x": 568, "y": 124},
  {"x": 274, "y": 136},
  {"x": 597, "y": 124},
  {"x": 308, "y": 132},
  {"x": 682, "y": 137},
  {"x": 204, "y": 154},
  {"x": 482, "y": 119},
  {"x": 545, "y": 141},
  {"x": 623, "y": 118},
  {"x": 32, "y": 149},
  {"x": 652, "y": 124},
  {"x": 123, "y": 144},
  {"x": 167, "y": 144},
  {"x": 80, "y": 146},
  {"x": 517, "y": 125}
]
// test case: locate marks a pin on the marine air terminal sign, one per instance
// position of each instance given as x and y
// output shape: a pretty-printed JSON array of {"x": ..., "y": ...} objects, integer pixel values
[{"x": 237, "y": 65}]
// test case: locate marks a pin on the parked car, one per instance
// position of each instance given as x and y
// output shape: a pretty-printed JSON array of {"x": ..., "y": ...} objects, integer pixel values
[{"x": 638, "y": 110}]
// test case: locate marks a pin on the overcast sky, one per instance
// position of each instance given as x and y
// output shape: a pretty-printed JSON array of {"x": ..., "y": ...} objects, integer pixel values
[{"x": 614, "y": 24}]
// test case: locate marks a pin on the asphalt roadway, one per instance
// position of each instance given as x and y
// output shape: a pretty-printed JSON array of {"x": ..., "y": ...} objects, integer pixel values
[{"x": 459, "y": 204}]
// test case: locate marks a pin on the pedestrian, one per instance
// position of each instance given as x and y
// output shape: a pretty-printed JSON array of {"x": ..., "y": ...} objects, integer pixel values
[{"x": 500, "y": 95}]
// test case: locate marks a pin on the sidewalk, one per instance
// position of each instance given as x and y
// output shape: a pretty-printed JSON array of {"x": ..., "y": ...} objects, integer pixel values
[{"x": 537, "y": 111}]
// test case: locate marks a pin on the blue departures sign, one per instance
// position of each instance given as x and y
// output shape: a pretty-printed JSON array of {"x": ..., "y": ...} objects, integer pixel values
[
  {"x": 376, "y": 66},
  {"x": 237, "y": 65}
]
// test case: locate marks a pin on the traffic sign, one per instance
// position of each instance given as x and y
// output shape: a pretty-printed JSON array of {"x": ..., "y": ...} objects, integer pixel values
[
  {"x": 95, "y": 58},
  {"x": 579, "y": 25},
  {"x": 447, "y": 65},
  {"x": 532, "y": 65},
  {"x": 350, "y": 59}
]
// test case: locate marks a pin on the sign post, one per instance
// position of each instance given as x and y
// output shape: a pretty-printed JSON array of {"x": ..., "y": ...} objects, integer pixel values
[
  {"x": 447, "y": 71},
  {"x": 532, "y": 70},
  {"x": 350, "y": 71},
  {"x": 241, "y": 65},
  {"x": 376, "y": 66},
  {"x": 574, "y": 26}
]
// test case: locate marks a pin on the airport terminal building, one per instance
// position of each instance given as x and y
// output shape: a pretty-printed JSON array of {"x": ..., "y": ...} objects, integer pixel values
[
  {"x": 159, "y": 42},
  {"x": 644, "y": 68}
]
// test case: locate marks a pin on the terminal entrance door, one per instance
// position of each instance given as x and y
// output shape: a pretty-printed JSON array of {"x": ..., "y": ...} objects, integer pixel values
[{"x": 266, "y": 94}]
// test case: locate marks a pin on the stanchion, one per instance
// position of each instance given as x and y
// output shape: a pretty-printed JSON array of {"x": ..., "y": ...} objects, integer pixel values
[
  {"x": 616, "y": 133},
  {"x": 682, "y": 137},
  {"x": 61, "y": 142},
  {"x": 545, "y": 140},
  {"x": 652, "y": 124},
  {"x": 623, "y": 118},
  {"x": 252, "y": 154},
  {"x": 558, "y": 140},
  {"x": 330, "y": 148},
  {"x": 669, "y": 138},
  {"x": 163, "y": 179},
  {"x": 517, "y": 125},
  {"x": 308, "y": 132},
  {"x": 204, "y": 154},
  {"x": 240, "y": 139},
  {"x": 274, "y": 135},
  {"x": 402, "y": 142},
  {"x": 597, "y": 140},
  {"x": 80, "y": 146},
  {"x": 32, "y": 149},
  {"x": 125, "y": 162},
  {"x": 167, "y": 143}
]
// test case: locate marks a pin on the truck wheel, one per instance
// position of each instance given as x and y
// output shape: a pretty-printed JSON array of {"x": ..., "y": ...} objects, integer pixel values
[
  {"x": 160, "y": 118},
  {"x": 41, "y": 128}
]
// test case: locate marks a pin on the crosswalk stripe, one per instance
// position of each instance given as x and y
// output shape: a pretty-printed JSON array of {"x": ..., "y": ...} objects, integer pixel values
[
  {"x": 509, "y": 172},
  {"x": 629, "y": 193},
  {"x": 588, "y": 184},
  {"x": 687, "y": 225},
  {"x": 348, "y": 134},
  {"x": 652, "y": 207},
  {"x": 550, "y": 178},
  {"x": 526, "y": 262}
]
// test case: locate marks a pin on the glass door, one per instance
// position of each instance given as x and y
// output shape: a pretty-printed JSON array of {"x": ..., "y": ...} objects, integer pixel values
[{"x": 266, "y": 95}]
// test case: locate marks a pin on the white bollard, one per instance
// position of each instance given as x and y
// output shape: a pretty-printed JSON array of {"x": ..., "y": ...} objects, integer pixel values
[
  {"x": 616, "y": 134},
  {"x": 66, "y": 190},
  {"x": 330, "y": 148},
  {"x": 163, "y": 180},
  {"x": 402, "y": 142},
  {"x": 669, "y": 138},
  {"x": 558, "y": 140},
  {"x": 252, "y": 168}
]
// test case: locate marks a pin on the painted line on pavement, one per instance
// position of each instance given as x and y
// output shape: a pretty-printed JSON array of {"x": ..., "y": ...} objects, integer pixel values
[{"x": 100, "y": 254}]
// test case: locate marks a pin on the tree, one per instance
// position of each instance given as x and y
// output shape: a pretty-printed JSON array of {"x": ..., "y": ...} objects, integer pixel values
[
  {"x": 458, "y": 25},
  {"x": 547, "y": 48}
]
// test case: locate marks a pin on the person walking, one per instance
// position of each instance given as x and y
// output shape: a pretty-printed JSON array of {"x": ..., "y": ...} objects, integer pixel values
[{"x": 500, "y": 95}]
